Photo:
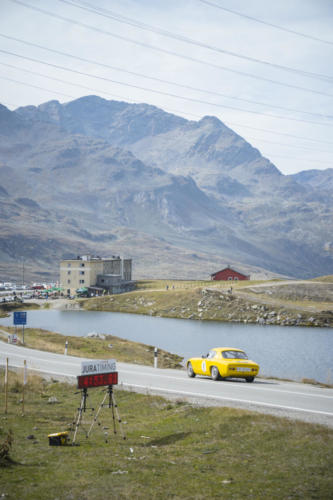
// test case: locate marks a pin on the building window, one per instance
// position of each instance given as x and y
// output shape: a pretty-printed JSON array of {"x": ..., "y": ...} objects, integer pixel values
[
  {"x": 81, "y": 281},
  {"x": 68, "y": 281},
  {"x": 68, "y": 272},
  {"x": 230, "y": 278},
  {"x": 82, "y": 264},
  {"x": 81, "y": 272}
]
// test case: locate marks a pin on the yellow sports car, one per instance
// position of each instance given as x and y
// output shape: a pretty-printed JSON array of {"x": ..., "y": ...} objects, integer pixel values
[{"x": 223, "y": 362}]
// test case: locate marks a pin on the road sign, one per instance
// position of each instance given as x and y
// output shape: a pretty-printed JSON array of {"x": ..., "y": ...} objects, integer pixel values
[
  {"x": 98, "y": 366},
  {"x": 85, "y": 381},
  {"x": 20, "y": 318}
]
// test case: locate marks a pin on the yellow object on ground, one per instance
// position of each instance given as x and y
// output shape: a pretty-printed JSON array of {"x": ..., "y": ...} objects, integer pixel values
[{"x": 58, "y": 438}]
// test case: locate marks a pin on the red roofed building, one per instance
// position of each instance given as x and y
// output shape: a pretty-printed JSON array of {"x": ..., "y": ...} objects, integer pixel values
[{"x": 228, "y": 274}]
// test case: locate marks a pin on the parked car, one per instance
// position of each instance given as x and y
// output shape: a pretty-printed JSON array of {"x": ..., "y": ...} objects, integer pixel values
[{"x": 223, "y": 362}]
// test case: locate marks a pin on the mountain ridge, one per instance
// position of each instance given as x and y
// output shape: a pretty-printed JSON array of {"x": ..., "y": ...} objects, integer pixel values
[{"x": 102, "y": 167}]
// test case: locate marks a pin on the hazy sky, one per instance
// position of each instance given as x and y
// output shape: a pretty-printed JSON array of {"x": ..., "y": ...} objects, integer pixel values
[{"x": 284, "y": 109}]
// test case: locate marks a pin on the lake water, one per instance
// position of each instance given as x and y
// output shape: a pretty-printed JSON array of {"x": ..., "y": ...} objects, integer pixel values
[{"x": 284, "y": 352}]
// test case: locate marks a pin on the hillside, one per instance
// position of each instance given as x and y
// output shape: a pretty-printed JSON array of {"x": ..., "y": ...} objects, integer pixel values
[{"x": 180, "y": 197}]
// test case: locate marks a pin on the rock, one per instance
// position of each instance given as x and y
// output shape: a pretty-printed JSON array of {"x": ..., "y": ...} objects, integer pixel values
[
  {"x": 52, "y": 400},
  {"x": 96, "y": 335},
  {"x": 31, "y": 436}
]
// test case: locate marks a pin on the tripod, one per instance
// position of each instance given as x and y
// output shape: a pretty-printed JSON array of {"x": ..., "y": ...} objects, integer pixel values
[
  {"x": 80, "y": 411},
  {"x": 115, "y": 413}
]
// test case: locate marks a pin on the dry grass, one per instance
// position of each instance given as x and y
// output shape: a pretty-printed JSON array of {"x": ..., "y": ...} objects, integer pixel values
[
  {"x": 216, "y": 304},
  {"x": 122, "y": 349},
  {"x": 6, "y": 307},
  {"x": 191, "y": 284},
  {"x": 324, "y": 279},
  {"x": 172, "y": 450}
]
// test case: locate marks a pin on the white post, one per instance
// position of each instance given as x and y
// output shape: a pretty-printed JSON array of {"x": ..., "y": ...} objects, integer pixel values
[
  {"x": 25, "y": 379},
  {"x": 66, "y": 347},
  {"x": 155, "y": 357},
  {"x": 6, "y": 386}
]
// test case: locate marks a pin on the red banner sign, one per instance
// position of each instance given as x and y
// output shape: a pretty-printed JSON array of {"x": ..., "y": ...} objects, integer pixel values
[{"x": 85, "y": 381}]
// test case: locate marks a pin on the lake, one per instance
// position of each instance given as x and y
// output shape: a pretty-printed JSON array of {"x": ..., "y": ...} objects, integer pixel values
[{"x": 284, "y": 352}]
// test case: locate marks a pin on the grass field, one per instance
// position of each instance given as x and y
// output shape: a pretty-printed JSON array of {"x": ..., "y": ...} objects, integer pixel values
[
  {"x": 289, "y": 304},
  {"x": 122, "y": 349},
  {"x": 172, "y": 450},
  {"x": 7, "y": 307},
  {"x": 190, "y": 284},
  {"x": 324, "y": 279}
]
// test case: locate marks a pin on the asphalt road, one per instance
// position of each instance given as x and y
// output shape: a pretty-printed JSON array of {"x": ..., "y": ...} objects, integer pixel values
[{"x": 288, "y": 399}]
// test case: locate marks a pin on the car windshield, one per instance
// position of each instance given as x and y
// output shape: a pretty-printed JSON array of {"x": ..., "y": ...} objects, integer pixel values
[{"x": 234, "y": 355}]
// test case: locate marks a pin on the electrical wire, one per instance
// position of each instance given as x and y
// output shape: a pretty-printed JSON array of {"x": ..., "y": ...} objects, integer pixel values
[
  {"x": 79, "y": 85},
  {"x": 176, "y": 96},
  {"x": 307, "y": 160},
  {"x": 107, "y": 93},
  {"x": 282, "y": 134},
  {"x": 36, "y": 86},
  {"x": 166, "y": 51},
  {"x": 160, "y": 80},
  {"x": 266, "y": 23},
  {"x": 294, "y": 146},
  {"x": 248, "y": 139},
  {"x": 132, "y": 22}
]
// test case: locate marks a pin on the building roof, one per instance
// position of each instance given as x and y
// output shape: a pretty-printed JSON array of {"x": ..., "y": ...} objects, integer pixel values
[{"x": 228, "y": 269}]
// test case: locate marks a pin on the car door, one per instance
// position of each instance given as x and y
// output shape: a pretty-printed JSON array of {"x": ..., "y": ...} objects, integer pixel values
[{"x": 209, "y": 362}]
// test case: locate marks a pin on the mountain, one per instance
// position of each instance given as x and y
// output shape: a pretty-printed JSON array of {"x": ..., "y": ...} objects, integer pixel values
[
  {"x": 320, "y": 180},
  {"x": 90, "y": 174}
]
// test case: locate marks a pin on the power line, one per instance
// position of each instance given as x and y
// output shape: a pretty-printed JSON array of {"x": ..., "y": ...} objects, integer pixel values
[
  {"x": 307, "y": 160},
  {"x": 132, "y": 22},
  {"x": 251, "y": 18},
  {"x": 61, "y": 81},
  {"x": 121, "y": 97},
  {"x": 247, "y": 139},
  {"x": 160, "y": 80},
  {"x": 106, "y": 93},
  {"x": 283, "y": 134},
  {"x": 36, "y": 87},
  {"x": 294, "y": 146},
  {"x": 169, "y": 94},
  {"x": 169, "y": 52}
]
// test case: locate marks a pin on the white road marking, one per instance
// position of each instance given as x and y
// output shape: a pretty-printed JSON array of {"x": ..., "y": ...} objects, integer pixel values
[
  {"x": 246, "y": 387},
  {"x": 172, "y": 377},
  {"x": 199, "y": 396},
  {"x": 194, "y": 394}
]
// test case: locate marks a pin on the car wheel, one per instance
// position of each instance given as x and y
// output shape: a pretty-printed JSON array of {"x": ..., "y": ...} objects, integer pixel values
[
  {"x": 249, "y": 379},
  {"x": 215, "y": 373},
  {"x": 190, "y": 371}
]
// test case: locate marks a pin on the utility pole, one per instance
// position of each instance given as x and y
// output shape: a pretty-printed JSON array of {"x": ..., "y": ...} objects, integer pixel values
[{"x": 22, "y": 272}]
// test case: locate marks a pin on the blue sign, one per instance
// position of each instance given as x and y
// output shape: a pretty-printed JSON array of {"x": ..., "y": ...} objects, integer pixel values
[{"x": 20, "y": 318}]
